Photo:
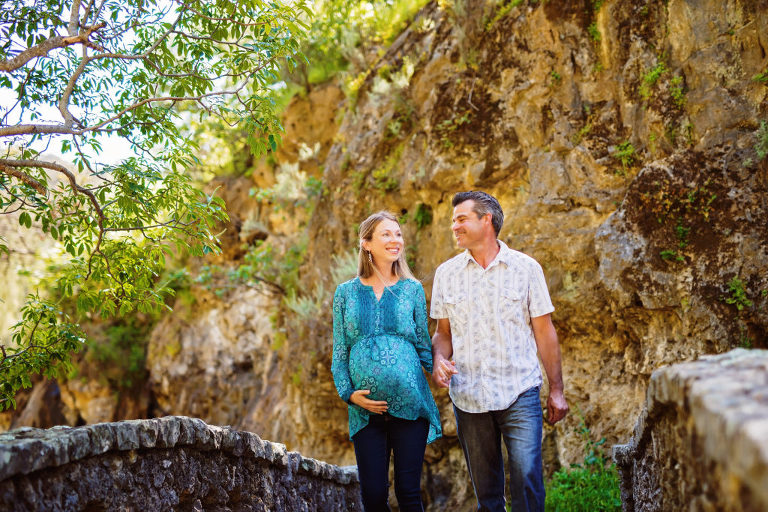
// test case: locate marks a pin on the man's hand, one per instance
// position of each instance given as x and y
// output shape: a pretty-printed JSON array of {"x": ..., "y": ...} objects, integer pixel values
[
  {"x": 557, "y": 407},
  {"x": 375, "y": 406},
  {"x": 442, "y": 349},
  {"x": 549, "y": 350},
  {"x": 443, "y": 371}
]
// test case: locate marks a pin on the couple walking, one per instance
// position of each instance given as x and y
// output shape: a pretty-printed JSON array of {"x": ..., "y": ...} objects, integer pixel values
[{"x": 493, "y": 317}]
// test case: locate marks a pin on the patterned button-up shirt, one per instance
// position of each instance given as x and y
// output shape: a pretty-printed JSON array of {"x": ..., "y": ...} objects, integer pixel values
[{"x": 490, "y": 313}]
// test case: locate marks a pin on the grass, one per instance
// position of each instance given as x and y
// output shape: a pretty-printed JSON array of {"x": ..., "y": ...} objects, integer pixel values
[{"x": 591, "y": 486}]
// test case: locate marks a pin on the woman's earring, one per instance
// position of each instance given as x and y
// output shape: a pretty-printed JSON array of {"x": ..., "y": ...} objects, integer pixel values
[{"x": 370, "y": 258}]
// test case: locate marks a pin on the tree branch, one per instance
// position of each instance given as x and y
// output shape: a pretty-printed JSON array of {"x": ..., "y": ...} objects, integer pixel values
[
  {"x": 143, "y": 102},
  {"x": 30, "y": 129},
  {"x": 73, "y": 21},
  {"x": 25, "y": 178},
  {"x": 71, "y": 177},
  {"x": 46, "y": 46},
  {"x": 69, "y": 119}
]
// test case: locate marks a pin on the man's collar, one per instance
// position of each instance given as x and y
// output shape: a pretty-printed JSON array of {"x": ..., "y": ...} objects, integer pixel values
[{"x": 504, "y": 255}]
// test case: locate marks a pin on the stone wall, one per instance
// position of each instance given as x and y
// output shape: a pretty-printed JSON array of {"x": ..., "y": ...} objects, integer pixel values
[
  {"x": 701, "y": 442},
  {"x": 170, "y": 463}
]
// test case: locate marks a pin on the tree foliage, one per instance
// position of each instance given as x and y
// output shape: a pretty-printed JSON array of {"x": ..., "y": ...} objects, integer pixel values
[
  {"x": 343, "y": 32},
  {"x": 81, "y": 73}
]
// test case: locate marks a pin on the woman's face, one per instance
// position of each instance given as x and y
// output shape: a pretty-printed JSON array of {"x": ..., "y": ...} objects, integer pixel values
[{"x": 386, "y": 244}]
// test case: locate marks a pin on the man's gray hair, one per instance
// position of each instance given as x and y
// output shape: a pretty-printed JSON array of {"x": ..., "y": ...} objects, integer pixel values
[{"x": 484, "y": 203}]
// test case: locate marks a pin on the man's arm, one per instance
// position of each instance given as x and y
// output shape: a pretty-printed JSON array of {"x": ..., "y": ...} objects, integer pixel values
[
  {"x": 549, "y": 350},
  {"x": 442, "y": 350}
]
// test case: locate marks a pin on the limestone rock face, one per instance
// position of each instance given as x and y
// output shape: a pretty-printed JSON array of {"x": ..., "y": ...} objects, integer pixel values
[{"x": 215, "y": 361}]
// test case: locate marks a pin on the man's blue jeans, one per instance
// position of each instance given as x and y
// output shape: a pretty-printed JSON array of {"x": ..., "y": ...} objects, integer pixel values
[{"x": 520, "y": 427}]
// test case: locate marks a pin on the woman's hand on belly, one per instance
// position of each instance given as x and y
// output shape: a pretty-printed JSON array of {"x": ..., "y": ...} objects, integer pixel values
[{"x": 374, "y": 406}]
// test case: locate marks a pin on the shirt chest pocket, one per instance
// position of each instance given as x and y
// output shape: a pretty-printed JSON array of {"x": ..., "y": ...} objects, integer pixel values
[
  {"x": 457, "y": 307},
  {"x": 513, "y": 306}
]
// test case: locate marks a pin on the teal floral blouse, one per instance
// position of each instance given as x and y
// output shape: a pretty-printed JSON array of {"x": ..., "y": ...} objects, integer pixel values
[{"x": 381, "y": 345}]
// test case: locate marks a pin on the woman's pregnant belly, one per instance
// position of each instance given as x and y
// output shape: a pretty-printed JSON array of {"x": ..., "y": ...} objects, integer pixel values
[{"x": 389, "y": 367}]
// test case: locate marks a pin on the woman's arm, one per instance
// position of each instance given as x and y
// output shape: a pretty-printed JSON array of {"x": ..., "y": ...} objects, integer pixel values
[
  {"x": 423, "y": 342},
  {"x": 340, "y": 360}
]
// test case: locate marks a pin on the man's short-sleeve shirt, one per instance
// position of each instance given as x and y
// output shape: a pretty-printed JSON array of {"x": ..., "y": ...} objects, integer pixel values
[{"x": 490, "y": 313}]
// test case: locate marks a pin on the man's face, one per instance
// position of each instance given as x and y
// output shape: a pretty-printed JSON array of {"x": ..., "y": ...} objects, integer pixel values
[{"x": 469, "y": 229}]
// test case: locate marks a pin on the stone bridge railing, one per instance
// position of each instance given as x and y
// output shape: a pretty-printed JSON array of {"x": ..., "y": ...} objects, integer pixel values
[
  {"x": 170, "y": 463},
  {"x": 701, "y": 442}
]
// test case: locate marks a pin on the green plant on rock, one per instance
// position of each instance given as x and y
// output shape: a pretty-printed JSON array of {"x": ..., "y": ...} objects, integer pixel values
[
  {"x": 598, "y": 68},
  {"x": 761, "y": 77},
  {"x": 447, "y": 126},
  {"x": 307, "y": 306},
  {"x": 625, "y": 155},
  {"x": 554, "y": 78},
  {"x": 677, "y": 91},
  {"x": 738, "y": 297},
  {"x": 761, "y": 147},
  {"x": 651, "y": 77},
  {"x": 671, "y": 255},
  {"x": 423, "y": 216},
  {"x": 593, "y": 485},
  {"x": 652, "y": 138},
  {"x": 745, "y": 340},
  {"x": 383, "y": 176},
  {"x": 502, "y": 11},
  {"x": 344, "y": 267},
  {"x": 402, "y": 119},
  {"x": 681, "y": 233},
  {"x": 594, "y": 32},
  {"x": 262, "y": 265},
  {"x": 577, "y": 137}
]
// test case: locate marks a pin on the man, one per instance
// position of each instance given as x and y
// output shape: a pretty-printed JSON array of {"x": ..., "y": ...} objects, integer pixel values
[{"x": 493, "y": 315}]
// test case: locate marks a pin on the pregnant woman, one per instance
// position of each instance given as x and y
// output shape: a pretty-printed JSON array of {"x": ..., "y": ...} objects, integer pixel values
[{"x": 380, "y": 344}]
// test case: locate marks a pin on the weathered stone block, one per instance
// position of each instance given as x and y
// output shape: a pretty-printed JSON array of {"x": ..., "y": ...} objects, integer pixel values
[
  {"x": 172, "y": 463},
  {"x": 701, "y": 442}
]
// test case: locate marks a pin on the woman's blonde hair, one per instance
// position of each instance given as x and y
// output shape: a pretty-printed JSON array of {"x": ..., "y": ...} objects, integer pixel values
[{"x": 365, "y": 266}]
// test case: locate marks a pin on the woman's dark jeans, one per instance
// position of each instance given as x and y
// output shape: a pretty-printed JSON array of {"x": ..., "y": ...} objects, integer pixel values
[{"x": 406, "y": 440}]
